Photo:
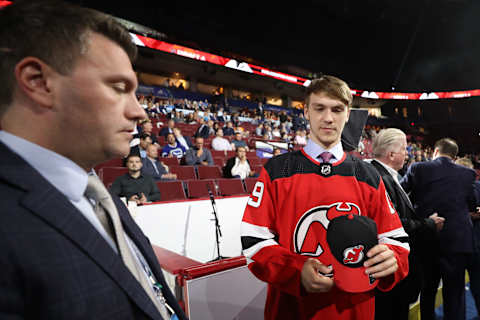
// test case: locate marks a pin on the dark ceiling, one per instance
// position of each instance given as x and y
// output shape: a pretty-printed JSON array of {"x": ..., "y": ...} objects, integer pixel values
[{"x": 412, "y": 45}]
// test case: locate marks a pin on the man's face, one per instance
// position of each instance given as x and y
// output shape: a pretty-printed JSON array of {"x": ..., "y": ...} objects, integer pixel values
[
  {"x": 134, "y": 164},
  {"x": 220, "y": 132},
  {"x": 238, "y": 136},
  {"x": 241, "y": 153},
  {"x": 152, "y": 151},
  {"x": 144, "y": 143},
  {"x": 398, "y": 157},
  {"x": 96, "y": 104},
  {"x": 147, "y": 127},
  {"x": 171, "y": 124},
  {"x": 199, "y": 143},
  {"x": 171, "y": 139},
  {"x": 327, "y": 118}
]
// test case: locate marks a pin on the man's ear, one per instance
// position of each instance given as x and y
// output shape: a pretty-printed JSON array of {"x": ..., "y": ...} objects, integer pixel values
[{"x": 34, "y": 79}]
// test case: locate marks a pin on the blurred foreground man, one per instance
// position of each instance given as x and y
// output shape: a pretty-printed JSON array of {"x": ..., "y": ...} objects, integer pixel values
[{"x": 69, "y": 250}]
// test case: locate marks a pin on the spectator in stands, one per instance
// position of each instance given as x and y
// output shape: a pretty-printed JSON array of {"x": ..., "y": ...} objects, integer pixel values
[
  {"x": 220, "y": 115},
  {"x": 173, "y": 148},
  {"x": 300, "y": 137},
  {"x": 228, "y": 130},
  {"x": 198, "y": 155},
  {"x": 238, "y": 166},
  {"x": 219, "y": 143},
  {"x": 134, "y": 185},
  {"x": 183, "y": 140},
  {"x": 276, "y": 132},
  {"x": 299, "y": 122},
  {"x": 276, "y": 152},
  {"x": 151, "y": 166},
  {"x": 203, "y": 130},
  {"x": 389, "y": 150},
  {"x": 446, "y": 188},
  {"x": 259, "y": 130},
  {"x": 239, "y": 142},
  {"x": 141, "y": 148},
  {"x": 267, "y": 132},
  {"x": 67, "y": 103},
  {"x": 147, "y": 128},
  {"x": 168, "y": 129}
]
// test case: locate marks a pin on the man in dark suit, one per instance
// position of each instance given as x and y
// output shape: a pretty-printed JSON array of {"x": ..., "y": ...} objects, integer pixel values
[
  {"x": 67, "y": 103},
  {"x": 444, "y": 187},
  {"x": 389, "y": 149},
  {"x": 153, "y": 167},
  {"x": 168, "y": 129}
]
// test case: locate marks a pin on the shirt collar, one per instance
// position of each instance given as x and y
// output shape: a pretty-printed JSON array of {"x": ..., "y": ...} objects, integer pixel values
[
  {"x": 313, "y": 150},
  {"x": 63, "y": 173},
  {"x": 390, "y": 170}
]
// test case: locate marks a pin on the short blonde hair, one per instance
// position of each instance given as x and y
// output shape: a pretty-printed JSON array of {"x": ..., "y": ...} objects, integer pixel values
[
  {"x": 332, "y": 87},
  {"x": 387, "y": 140}
]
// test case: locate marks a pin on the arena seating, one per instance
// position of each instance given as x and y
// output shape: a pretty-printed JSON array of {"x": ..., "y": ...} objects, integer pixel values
[
  {"x": 230, "y": 187},
  {"x": 184, "y": 172},
  {"x": 171, "y": 190},
  {"x": 209, "y": 172},
  {"x": 199, "y": 188}
]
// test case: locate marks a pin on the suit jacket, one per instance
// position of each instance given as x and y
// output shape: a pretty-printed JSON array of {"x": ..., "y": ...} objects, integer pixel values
[
  {"x": 147, "y": 168},
  {"x": 203, "y": 131},
  {"x": 165, "y": 131},
  {"x": 442, "y": 186},
  {"x": 55, "y": 265},
  {"x": 413, "y": 225}
]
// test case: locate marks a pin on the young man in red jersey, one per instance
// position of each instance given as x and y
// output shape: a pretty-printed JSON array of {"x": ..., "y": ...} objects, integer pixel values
[{"x": 286, "y": 245}]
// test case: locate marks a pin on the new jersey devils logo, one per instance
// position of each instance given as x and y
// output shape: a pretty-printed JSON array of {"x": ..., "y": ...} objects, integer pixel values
[
  {"x": 353, "y": 255},
  {"x": 311, "y": 229}
]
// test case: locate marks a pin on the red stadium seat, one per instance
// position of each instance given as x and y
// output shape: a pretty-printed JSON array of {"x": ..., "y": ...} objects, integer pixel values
[
  {"x": 171, "y": 190},
  {"x": 255, "y": 161},
  {"x": 110, "y": 163},
  {"x": 109, "y": 174},
  {"x": 249, "y": 184},
  {"x": 209, "y": 172},
  {"x": 184, "y": 172},
  {"x": 219, "y": 161},
  {"x": 218, "y": 154},
  {"x": 199, "y": 188},
  {"x": 170, "y": 161},
  {"x": 230, "y": 187}
]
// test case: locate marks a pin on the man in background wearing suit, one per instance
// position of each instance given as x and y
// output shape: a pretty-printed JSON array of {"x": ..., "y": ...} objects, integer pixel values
[
  {"x": 153, "y": 167},
  {"x": 446, "y": 188},
  {"x": 389, "y": 149},
  {"x": 69, "y": 250}
]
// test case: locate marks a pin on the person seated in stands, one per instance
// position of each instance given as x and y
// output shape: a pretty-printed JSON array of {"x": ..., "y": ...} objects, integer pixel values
[
  {"x": 300, "y": 137},
  {"x": 220, "y": 115},
  {"x": 276, "y": 132},
  {"x": 178, "y": 117},
  {"x": 141, "y": 148},
  {"x": 153, "y": 167},
  {"x": 259, "y": 130},
  {"x": 219, "y": 143},
  {"x": 267, "y": 132},
  {"x": 190, "y": 118},
  {"x": 173, "y": 148},
  {"x": 238, "y": 166},
  {"x": 276, "y": 152},
  {"x": 168, "y": 129},
  {"x": 198, "y": 155},
  {"x": 205, "y": 130},
  {"x": 183, "y": 140},
  {"x": 134, "y": 185},
  {"x": 147, "y": 128},
  {"x": 239, "y": 142},
  {"x": 228, "y": 130}
]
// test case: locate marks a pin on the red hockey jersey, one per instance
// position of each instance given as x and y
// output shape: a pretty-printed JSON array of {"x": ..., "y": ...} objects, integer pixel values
[{"x": 278, "y": 237}]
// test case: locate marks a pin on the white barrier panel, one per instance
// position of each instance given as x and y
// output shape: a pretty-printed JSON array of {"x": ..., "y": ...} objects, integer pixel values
[
  {"x": 187, "y": 227},
  {"x": 233, "y": 294}
]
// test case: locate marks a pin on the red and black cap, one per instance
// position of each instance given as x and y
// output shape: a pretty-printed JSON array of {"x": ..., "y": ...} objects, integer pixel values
[{"x": 350, "y": 237}]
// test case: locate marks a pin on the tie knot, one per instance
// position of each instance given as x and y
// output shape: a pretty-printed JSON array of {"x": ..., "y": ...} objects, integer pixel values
[
  {"x": 95, "y": 189},
  {"x": 326, "y": 156}
]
